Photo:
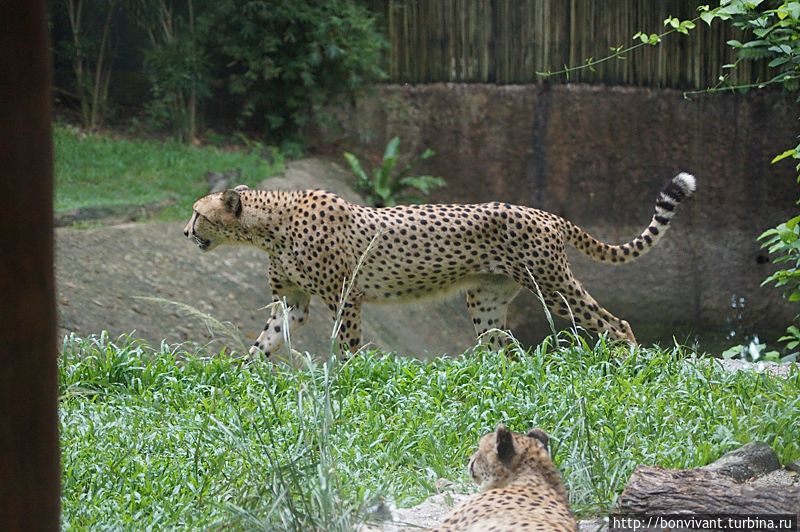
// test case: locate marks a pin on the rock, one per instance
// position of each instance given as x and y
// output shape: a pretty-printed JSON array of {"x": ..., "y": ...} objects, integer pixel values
[
  {"x": 427, "y": 514},
  {"x": 110, "y": 214},
  {"x": 315, "y": 173},
  {"x": 219, "y": 181},
  {"x": 772, "y": 368}
]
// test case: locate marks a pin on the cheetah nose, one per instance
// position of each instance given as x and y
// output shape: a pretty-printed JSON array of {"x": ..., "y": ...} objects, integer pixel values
[{"x": 186, "y": 232}]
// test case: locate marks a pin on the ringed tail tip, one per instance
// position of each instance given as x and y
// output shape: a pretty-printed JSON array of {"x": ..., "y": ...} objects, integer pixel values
[{"x": 686, "y": 182}]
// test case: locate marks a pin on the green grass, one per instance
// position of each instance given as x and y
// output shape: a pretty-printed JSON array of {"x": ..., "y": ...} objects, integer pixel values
[
  {"x": 164, "y": 438},
  {"x": 100, "y": 170}
]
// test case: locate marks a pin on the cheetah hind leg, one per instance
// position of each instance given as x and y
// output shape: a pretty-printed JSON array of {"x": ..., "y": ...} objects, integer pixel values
[
  {"x": 571, "y": 301},
  {"x": 273, "y": 335},
  {"x": 347, "y": 324},
  {"x": 487, "y": 303},
  {"x": 577, "y": 303}
]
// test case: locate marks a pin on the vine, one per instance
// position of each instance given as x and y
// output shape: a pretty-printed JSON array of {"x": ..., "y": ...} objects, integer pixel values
[{"x": 771, "y": 31}]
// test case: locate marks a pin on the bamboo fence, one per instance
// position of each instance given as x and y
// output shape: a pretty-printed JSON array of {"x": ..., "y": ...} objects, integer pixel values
[{"x": 510, "y": 41}]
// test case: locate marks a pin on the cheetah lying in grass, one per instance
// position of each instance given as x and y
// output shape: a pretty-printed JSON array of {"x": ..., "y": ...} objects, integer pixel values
[
  {"x": 521, "y": 489},
  {"x": 321, "y": 245}
]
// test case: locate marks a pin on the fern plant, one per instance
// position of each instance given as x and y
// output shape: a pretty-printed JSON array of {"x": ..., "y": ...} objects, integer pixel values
[{"x": 387, "y": 187}]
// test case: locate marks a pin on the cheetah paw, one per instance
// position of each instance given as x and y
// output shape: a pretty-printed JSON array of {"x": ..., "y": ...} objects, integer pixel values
[{"x": 256, "y": 350}]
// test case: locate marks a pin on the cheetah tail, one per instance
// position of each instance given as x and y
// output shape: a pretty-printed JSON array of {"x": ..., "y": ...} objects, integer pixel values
[{"x": 679, "y": 188}]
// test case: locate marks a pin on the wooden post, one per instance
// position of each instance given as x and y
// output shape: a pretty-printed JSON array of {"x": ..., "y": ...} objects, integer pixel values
[{"x": 29, "y": 456}]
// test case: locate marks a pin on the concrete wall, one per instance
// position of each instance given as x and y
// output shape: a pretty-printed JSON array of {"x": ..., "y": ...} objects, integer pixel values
[{"x": 598, "y": 156}]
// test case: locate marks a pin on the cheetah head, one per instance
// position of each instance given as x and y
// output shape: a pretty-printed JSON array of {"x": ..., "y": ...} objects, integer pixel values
[
  {"x": 215, "y": 218},
  {"x": 503, "y": 456}
]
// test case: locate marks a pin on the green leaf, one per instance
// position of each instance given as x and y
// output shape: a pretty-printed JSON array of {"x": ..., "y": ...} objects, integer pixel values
[
  {"x": 427, "y": 154},
  {"x": 755, "y": 44},
  {"x": 734, "y": 43},
  {"x": 778, "y": 61},
  {"x": 791, "y": 223},
  {"x": 788, "y": 153},
  {"x": 781, "y": 49},
  {"x": 391, "y": 148},
  {"x": 355, "y": 167},
  {"x": 707, "y": 17},
  {"x": 383, "y": 175},
  {"x": 768, "y": 232},
  {"x": 733, "y": 352}
]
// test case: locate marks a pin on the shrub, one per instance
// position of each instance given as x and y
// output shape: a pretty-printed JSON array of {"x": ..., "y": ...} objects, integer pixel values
[
  {"x": 282, "y": 59},
  {"x": 386, "y": 188},
  {"x": 176, "y": 64}
]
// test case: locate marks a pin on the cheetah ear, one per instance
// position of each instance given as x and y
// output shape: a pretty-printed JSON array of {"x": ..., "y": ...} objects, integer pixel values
[
  {"x": 239, "y": 188},
  {"x": 232, "y": 202},
  {"x": 505, "y": 444},
  {"x": 539, "y": 434}
]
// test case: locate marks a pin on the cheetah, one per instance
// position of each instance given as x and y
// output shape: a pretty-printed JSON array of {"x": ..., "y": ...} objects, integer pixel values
[
  {"x": 346, "y": 254},
  {"x": 521, "y": 489}
]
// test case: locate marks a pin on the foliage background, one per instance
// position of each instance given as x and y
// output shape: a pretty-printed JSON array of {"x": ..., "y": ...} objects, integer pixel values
[
  {"x": 262, "y": 65},
  {"x": 267, "y": 65}
]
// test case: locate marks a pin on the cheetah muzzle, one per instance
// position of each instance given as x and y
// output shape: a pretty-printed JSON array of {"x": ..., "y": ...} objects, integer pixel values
[{"x": 319, "y": 244}]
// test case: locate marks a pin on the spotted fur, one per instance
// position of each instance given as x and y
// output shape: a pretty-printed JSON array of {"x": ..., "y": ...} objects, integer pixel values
[
  {"x": 521, "y": 489},
  {"x": 491, "y": 251}
]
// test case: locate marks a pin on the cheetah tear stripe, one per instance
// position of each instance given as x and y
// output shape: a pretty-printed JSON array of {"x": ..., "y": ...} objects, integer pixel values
[{"x": 677, "y": 189}]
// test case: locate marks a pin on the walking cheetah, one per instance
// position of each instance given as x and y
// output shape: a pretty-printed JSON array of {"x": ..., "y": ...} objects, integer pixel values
[
  {"x": 521, "y": 488},
  {"x": 321, "y": 245}
]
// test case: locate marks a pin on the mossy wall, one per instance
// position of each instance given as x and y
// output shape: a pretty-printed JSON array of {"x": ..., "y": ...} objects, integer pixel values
[{"x": 598, "y": 156}]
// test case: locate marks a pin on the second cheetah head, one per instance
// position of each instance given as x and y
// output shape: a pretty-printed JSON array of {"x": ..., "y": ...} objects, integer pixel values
[{"x": 504, "y": 456}]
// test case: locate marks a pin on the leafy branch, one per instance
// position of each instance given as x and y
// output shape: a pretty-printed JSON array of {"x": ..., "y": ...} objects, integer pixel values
[
  {"x": 619, "y": 52},
  {"x": 773, "y": 31}
]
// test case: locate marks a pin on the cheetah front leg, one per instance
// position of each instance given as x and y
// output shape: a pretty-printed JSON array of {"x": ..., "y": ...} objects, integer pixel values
[
  {"x": 488, "y": 308},
  {"x": 284, "y": 296},
  {"x": 274, "y": 333}
]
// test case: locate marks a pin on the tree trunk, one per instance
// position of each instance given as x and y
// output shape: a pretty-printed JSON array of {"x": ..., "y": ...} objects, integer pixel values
[
  {"x": 29, "y": 455},
  {"x": 193, "y": 91},
  {"x": 75, "y": 12},
  {"x": 654, "y": 490},
  {"x": 102, "y": 74}
]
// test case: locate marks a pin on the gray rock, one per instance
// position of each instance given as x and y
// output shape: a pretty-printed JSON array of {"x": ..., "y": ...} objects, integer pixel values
[{"x": 315, "y": 173}]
